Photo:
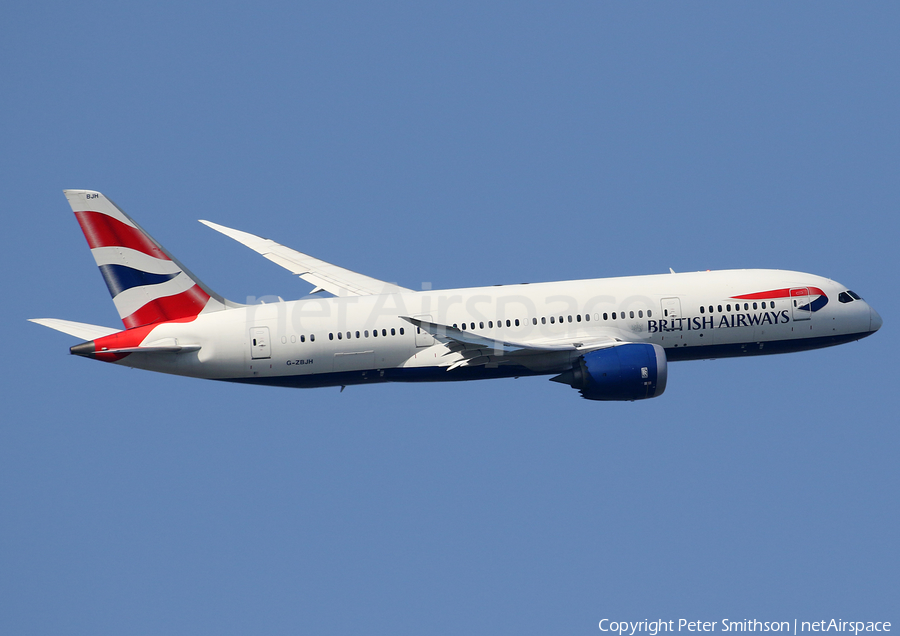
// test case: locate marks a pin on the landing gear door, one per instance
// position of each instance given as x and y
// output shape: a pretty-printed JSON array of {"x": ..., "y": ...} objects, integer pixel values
[
  {"x": 259, "y": 343},
  {"x": 800, "y": 303},
  {"x": 423, "y": 338}
]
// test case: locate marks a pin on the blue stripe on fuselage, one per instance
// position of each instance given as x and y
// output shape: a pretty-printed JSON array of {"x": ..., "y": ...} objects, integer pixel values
[{"x": 816, "y": 305}]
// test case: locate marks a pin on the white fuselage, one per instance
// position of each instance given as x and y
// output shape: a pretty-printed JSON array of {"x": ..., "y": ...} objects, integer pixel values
[{"x": 359, "y": 339}]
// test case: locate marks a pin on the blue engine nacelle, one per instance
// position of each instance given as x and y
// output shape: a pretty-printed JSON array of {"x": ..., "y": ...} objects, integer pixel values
[{"x": 631, "y": 371}]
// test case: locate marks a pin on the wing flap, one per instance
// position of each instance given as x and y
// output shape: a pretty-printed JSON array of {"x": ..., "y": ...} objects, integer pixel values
[
  {"x": 468, "y": 340},
  {"x": 473, "y": 350},
  {"x": 324, "y": 276},
  {"x": 459, "y": 340}
]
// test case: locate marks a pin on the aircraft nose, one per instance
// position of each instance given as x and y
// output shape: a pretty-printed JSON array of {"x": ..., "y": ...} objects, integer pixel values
[{"x": 875, "y": 321}]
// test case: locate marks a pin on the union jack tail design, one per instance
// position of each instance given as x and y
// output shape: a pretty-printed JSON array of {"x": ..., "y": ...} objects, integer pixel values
[{"x": 148, "y": 285}]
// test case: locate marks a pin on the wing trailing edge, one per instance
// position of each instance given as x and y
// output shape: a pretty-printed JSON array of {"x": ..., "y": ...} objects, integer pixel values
[{"x": 477, "y": 350}]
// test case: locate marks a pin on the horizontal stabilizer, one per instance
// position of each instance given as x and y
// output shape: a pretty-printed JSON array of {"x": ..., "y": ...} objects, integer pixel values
[
  {"x": 78, "y": 329},
  {"x": 324, "y": 276},
  {"x": 169, "y": 349},
  {"x": 167, "y": 345}
]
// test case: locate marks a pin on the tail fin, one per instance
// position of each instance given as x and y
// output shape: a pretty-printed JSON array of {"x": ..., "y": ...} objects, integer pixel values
[{"x": 148, "y": 285}]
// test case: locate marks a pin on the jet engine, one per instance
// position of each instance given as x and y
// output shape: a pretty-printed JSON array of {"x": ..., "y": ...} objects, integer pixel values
[{"x": 633, "y": 371}]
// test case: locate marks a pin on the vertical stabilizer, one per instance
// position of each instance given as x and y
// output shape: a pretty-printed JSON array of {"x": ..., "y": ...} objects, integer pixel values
[{"x": 148, "y": 285}]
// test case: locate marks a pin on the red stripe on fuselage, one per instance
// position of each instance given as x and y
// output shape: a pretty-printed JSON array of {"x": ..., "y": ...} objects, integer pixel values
[
  {"x": 187, "y": 304},
  {"x": 102, "y": 230},
  {"x": 781, "y": 293}
]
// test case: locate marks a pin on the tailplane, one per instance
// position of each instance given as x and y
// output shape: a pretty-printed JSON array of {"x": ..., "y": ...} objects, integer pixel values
[{"x": 147, "y": 284}]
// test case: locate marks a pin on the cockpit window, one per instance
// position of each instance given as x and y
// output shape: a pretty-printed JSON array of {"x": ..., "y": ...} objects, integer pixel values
[
  {"x": 854, "y": 295},
  {"x": 844, "y": 297}
]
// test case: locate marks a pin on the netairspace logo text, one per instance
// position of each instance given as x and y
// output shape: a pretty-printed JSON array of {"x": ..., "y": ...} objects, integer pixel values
[{"x": 653, "y": 628}]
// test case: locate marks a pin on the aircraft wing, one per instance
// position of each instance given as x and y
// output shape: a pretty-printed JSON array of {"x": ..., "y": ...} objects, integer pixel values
[
  {"x": 324, "y": 276},
  {"x": 477, "y": 350}
]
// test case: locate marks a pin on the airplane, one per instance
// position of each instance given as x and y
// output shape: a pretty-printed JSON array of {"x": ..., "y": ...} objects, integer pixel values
[{"x": 609, "y": 338}]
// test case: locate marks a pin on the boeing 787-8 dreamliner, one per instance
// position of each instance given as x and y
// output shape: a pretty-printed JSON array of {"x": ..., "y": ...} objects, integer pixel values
[{"x": 610, "y": 338}]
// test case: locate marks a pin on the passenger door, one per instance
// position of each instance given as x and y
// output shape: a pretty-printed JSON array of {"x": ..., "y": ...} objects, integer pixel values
[
  {"x": 423, "y": 338},
  {"x": 259, "y": 343},
  {"x": 671, "y": 311},
  {"x": 800, "y": 303}
]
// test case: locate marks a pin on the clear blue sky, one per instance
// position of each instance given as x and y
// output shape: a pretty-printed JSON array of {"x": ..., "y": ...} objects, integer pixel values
[{"x": 457, "y": 144}]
